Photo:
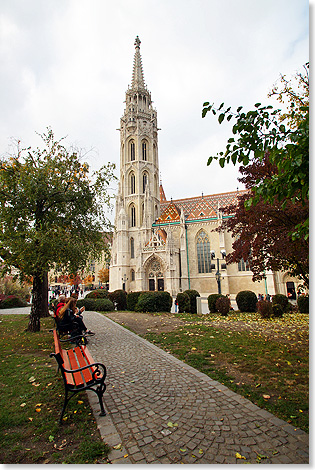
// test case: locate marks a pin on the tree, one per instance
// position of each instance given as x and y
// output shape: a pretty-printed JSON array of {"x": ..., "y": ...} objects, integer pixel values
[
  {"x": 271, "y": 220},
  {"x": 262, "y": 233},
  {"x": 283, "y": 136},
  {"x": 52, "y": 212},
  {"x": 103, "y": 275}
]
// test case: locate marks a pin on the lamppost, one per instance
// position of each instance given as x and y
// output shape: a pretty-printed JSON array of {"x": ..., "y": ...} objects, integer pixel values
[{"x": 218, "y": 274}]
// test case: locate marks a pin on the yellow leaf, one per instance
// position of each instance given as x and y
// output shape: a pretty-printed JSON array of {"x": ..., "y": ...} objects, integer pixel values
[
  {"x": 117, "y": 447},
  {"x": 125, "y": 456},
  {"x": 80, "y": 402},
  {"x": 38, "y": 410},
  {"x": 193, "y": 349},
  {"x": 239, "y": 456}
]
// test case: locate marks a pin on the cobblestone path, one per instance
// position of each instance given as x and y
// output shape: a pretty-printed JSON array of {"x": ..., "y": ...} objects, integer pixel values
[{"x": 160, "y": 410}]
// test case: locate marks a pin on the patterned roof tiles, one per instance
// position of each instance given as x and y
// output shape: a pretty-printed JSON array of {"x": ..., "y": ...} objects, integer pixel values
[{"x": 196, "y": 208}]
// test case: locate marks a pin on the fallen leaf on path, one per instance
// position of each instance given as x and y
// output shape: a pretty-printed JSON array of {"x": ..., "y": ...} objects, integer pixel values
[{"x": 239, "y": 456}]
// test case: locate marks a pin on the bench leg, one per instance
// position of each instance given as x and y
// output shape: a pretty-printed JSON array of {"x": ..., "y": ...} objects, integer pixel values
[
  {"x": 100, "y": 392},
  {"x": 64, "y": 406}
]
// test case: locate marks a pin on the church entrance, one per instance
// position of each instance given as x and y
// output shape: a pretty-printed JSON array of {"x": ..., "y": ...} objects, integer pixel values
[{"x": 155, "y": 276}]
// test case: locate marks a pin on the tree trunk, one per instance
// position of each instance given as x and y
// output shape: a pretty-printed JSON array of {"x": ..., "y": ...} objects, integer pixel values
[
  {"x": 37, "y": 303},
  {"x": 44, "y": 306}
]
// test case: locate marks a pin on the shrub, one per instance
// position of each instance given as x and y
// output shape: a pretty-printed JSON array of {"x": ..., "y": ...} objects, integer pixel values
[
  {"x": 89, "y": 304},
  {"x": 303, "y": 303},
  {"x": 264, "y": 308},
  {"x": 97, "y": 294},
  {"x": 12, "y": 301},
  {"x": 223, "y": 305},
  {"x": 146, "y": 302},
  {"x": 132, "y": 299},
  {"x": 212, "y": 298},
  {"x": 277, "y": 310},
  {"x": 282, "y": 300},
  {"x": 163, "y": 301},
  {"x": 183, "y": 301},
  {"x": 9, "y": 286},
  {"x": 119, "y": 299},
  {"x": 104, "y": 305},
  {"x": 246, "y": 301},
  {"x": 193, "y": 294}
]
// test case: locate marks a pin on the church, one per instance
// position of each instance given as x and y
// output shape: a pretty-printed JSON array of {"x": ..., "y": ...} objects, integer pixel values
[{"x": 171, "y": 245}]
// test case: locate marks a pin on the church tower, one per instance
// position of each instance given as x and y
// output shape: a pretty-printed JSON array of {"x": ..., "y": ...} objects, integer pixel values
[{"x": 138, "y": 198}]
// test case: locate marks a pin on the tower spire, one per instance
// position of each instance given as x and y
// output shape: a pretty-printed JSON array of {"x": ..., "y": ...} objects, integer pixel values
[{"x": 137, "y": 74}]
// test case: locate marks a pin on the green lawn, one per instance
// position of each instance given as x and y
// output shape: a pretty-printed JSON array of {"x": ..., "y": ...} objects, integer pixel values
[{"x": 31, "y": 400}]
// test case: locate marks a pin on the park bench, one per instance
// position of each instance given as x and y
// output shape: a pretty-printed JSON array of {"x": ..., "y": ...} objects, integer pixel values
[{"x": 79, "y": 372}]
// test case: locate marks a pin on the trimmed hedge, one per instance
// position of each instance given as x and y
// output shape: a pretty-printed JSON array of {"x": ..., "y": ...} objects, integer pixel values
[
  {"x": 12, "y": 301},
  {"x": 97, "y": 294},
  {"x": 132, "y": 299},
  {"x": 183, "y": 301},
  {"x": 303, "y": 304},
  {"x": 282, "y": 300},
  {"x": 154, "y": 302},
  {"x": 264, "y": 308},
  {"x": 212, "y": 299},
  {"x": 193, "y": 294},
  {"x": 223, "y": 305},
  {"x": 246, "y": 301},
  {"x": 277, "y": 310},
  {"x": 119, "y": 299},
  {"x": 98, "y": 305}
]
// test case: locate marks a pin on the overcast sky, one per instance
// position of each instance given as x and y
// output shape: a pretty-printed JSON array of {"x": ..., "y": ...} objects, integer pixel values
[{"x": 67, "y": 64}]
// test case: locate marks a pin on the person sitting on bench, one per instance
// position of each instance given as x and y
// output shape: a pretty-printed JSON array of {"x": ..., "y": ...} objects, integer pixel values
[{"x": 67, "y": 315}]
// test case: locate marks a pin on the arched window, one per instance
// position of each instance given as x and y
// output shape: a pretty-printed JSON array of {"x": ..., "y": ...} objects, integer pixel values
[
  {"x": 133, "y": 216},
  {"x": 132, "y": 183},
  {"x": 133, "y": 277},
  {"x": 132, "y": 150},
  {"x": 144, "y": 181},
  {"x": 144, "y": 151},
  {"x": 132, "y": 248},
  {"x": 203, "y": 253},
  {"x": 243, "y": 265}
]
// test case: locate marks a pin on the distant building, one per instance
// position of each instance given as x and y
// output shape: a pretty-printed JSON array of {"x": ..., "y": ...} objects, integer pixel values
[{"x": 169, "y": 245}]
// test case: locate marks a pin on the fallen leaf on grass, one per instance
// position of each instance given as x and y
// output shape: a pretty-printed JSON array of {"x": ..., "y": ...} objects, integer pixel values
[
  {"x": 31, "y": 379},
  {"x": 266, "y": 397},
  {"x": 22, "y": 405}
]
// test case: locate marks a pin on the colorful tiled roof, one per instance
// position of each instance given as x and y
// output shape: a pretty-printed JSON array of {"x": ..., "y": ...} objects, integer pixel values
[{"x": 196, "y": 208}]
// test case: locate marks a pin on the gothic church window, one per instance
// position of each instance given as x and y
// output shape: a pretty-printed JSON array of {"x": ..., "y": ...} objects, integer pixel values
[
  {"x": 243, "y": 265},
  {"x": 133, "y": 216},
  {"x": 133, "y": 275},
  {"x": 203, "y": 253},
  {"x": 144, "y": 181},
  {"x": 144, "y": 151},
  {"x": 132, "y": 151},
  {"x": 132, "y": 183},
  {"x": 132, "y": 248}
]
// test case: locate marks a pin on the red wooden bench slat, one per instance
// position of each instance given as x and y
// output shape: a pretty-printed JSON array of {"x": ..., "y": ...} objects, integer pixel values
[
  {"x": 88, "y": 356},
  {"x": 74, "y": 365},
  {"x": 84, "y": 362}
]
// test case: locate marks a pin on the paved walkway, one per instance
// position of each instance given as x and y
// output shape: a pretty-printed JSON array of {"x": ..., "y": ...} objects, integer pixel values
[{"x": 162, "y": 411}]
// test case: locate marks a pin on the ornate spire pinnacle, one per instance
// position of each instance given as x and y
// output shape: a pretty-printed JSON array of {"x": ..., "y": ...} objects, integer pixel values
[{"x": 137, "y": 75}]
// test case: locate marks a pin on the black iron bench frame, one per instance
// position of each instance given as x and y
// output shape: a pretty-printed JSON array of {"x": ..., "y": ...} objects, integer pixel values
[{"x": 79, "y": 373}]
